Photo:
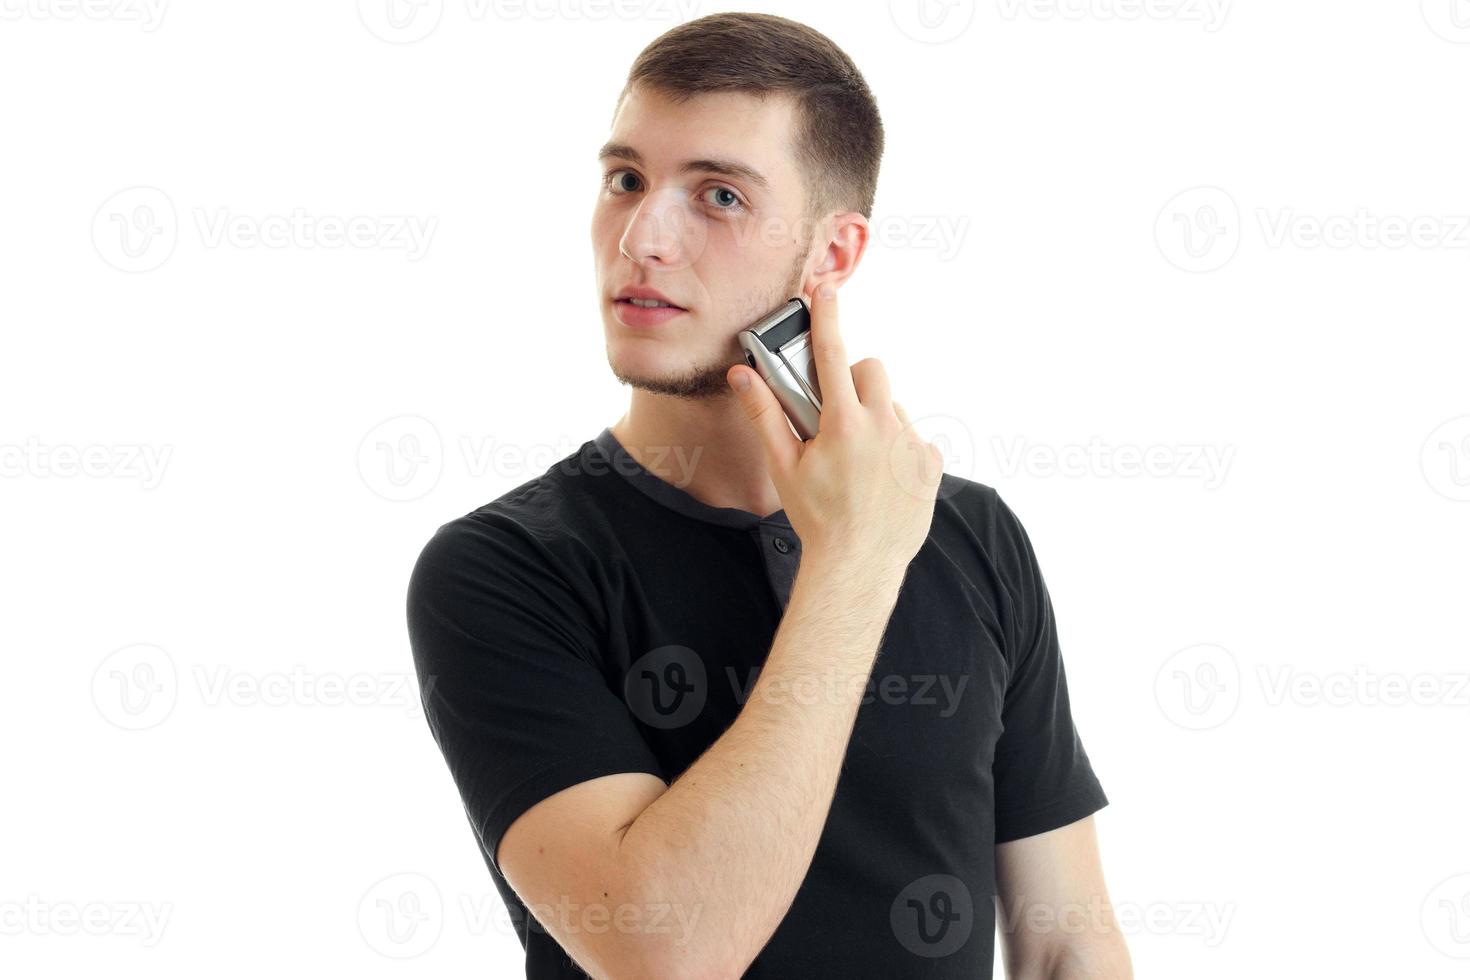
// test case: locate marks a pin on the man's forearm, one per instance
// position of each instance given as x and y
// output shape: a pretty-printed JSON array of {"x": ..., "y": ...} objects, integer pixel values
[
  {"x": 733, "y": 837},
  {"x": 1103, "y": 958}
]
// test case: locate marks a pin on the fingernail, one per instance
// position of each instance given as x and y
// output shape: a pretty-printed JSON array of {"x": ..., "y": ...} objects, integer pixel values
[
  {"x": 826, "y": 291},
  {"x": 742, "y": 380}
]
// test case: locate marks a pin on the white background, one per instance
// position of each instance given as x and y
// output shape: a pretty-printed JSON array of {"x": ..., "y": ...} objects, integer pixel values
[{"x": 1175, "y": 229}]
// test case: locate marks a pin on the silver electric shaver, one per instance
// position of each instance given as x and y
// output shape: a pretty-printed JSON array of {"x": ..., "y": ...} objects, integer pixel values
[{"x": 779, "y": 347}]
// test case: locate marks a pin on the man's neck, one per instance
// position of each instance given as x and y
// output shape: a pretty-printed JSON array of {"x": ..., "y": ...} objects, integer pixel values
[{"x": 705, "y": 447}]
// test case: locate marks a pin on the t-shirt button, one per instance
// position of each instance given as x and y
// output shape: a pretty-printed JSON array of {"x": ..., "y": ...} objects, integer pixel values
[{"x": 781, "y": 545}]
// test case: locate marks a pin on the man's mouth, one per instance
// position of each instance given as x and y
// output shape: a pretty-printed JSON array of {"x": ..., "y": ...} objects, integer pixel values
[{"x": 645, "y": 312}]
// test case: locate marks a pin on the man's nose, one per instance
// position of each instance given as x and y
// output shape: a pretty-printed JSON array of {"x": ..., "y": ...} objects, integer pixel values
[{"x": 663, "y": 230}]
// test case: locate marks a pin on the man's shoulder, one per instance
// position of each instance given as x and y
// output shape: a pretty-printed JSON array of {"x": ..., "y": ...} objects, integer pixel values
[
  {"x": 975, "y": 518},
  {"x": 970, "y": 503},
  {"x": 549, "y": 515}
]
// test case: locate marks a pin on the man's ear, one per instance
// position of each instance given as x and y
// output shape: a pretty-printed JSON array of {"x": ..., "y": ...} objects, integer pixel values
[{"x": 847, "y": 240}]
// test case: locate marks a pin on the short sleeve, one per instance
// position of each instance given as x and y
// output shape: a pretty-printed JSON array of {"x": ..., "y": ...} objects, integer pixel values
[
  {"x": 509, "y": 673},
  {"x": 1043, "y": 778}
]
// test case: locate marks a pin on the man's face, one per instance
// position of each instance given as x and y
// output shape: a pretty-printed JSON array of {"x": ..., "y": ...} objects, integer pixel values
[{"x": 728, "y": 246}]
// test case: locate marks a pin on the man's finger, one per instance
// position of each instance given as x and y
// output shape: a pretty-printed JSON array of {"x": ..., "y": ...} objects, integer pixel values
[
  {"x": 870, "y": 379},
  {"x": 834, "y": 376},
  {"x": 782, "y": 445}
]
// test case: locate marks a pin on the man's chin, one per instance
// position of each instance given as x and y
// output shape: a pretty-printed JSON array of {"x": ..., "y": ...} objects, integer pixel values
[{"x": 707, "y": 382}]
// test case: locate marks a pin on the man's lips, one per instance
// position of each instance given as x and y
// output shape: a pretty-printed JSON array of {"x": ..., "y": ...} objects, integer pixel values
[
  {"x": 629, "y": 301},
  {"x": 645, "y": 316}
]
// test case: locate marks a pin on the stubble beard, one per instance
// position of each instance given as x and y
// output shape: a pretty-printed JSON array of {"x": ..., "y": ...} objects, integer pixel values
[{"x": 708, "y": 380}]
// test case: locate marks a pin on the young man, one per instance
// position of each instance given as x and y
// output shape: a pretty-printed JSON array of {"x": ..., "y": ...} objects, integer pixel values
[{"x": 721, "y": 703}]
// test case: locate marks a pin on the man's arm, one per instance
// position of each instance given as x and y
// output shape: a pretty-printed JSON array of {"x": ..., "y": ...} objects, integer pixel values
[
  {"x": 725, "y": 848},
  {"x": 1056, "y": 920}
]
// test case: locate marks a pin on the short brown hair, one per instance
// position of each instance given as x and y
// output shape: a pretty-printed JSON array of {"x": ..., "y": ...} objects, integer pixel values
[{"x": 839, "y": 134}]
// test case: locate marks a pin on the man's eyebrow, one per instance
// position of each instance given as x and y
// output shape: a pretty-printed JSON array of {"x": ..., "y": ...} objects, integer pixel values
[{"x": 727, "y": 168}]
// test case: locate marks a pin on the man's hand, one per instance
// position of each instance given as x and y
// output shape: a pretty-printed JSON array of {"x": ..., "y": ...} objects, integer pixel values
[{"x": 864, "y": 486}]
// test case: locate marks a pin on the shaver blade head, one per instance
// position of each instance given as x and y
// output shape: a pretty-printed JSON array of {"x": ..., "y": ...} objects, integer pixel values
[
  {"x": 787, "y": 321},
  {"x": 778, "y": 347}
]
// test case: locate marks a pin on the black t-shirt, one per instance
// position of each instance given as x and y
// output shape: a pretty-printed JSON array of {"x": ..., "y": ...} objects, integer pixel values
[{"x": 598, "y": 619}]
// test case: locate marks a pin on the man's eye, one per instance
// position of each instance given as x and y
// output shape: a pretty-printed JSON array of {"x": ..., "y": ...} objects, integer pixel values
[
  {"x": 612, "y": 181},
  {"x": 732, "y": 203},
  {"x": 618, "y": 181}
]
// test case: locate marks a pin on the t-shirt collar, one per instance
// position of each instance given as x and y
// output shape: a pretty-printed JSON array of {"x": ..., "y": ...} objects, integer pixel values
[{"x": 672, "y": 497}]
